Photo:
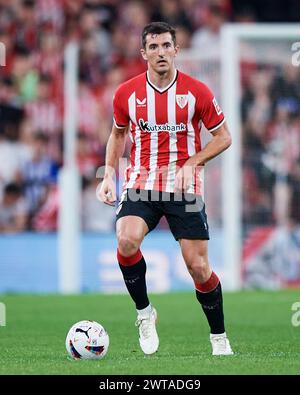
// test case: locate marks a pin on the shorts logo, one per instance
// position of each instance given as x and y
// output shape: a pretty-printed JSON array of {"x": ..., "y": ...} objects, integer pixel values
[
  {"x": 217, "y": 107},
  {"x": 123, "y": 196},
  {"x": 141, "y": 103},
  {"x": 181, "y": 100},
  {"x": 119, "y": 208}
]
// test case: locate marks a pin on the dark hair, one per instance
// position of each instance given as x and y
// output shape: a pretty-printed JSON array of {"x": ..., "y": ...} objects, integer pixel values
[
  {"x": 13, "y": 189},
  {"x": 42, "y": 137},
  {"x": 158, "y": 28}
]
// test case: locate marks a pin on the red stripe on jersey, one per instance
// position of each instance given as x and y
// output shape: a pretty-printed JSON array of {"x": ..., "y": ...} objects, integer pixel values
[
  {"x": 168, "y": 126},
  {"x": 141, "y": 114},
  {"x": 197, "y": 179},
  {"x": 161, "y": 112}
]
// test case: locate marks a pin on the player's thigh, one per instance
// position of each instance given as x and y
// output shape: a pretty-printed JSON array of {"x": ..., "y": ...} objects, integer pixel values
[
  {"x": 138, "y": 211},
  {"x": 131, "y": 227},
  {"x": 194, "y": 250},
  {"x": 187, "y": 218}
]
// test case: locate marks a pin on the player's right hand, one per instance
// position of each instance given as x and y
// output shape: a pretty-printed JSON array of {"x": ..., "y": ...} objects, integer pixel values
[{"x": 106, "y": 192}]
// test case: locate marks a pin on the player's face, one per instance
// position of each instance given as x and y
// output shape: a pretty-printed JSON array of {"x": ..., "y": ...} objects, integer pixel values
[{"x": 160, "y": 52}]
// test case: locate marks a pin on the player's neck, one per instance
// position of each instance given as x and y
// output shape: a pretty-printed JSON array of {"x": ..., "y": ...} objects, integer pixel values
[{"x": 161, "y": 81}]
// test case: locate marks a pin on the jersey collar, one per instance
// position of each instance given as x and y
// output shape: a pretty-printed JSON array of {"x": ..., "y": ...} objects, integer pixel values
[{"x": 164, "y": 89}]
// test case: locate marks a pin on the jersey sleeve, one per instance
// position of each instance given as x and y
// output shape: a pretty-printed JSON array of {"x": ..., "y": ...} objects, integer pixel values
[
  {"x": 120, "y": 109},
  {"x": 210, "y": 111}
]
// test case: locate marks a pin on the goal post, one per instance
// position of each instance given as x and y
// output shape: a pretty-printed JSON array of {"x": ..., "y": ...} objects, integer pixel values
[
  {"x": 232, "y": 35},
  {"x": 231, "y": 159},
  {"x": 69, "y": 227}
]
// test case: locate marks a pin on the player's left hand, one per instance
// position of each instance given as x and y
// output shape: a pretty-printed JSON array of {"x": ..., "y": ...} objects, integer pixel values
[{"x": 184, "y": 177}]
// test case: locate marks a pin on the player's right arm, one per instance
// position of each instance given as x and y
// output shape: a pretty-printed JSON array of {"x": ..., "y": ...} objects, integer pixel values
[
  {"x": 114, "y": 151},
  {"x": 115, "y": 145}
]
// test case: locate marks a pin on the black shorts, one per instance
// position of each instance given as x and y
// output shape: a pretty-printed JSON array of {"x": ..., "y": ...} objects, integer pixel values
[{"x": 185, "y": 213}]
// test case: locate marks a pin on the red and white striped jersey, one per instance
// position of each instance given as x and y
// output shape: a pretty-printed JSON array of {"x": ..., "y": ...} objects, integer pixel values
[{"x": 164, "y": 128}]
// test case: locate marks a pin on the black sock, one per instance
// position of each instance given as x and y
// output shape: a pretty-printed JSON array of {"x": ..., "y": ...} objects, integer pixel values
[
  {"x": 212, "y": 305},
  {"x": 135, "y": 280}
]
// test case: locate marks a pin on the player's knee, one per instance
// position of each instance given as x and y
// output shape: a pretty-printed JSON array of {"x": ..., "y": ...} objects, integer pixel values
[
  {"x": 198, "y": 266},
  {"x": 128, "y": 245}
]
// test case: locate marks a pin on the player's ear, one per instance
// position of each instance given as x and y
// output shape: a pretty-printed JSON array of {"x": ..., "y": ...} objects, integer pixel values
[
  {"x": 143, "y": 52},
  {"x": 176, "y": 50}
]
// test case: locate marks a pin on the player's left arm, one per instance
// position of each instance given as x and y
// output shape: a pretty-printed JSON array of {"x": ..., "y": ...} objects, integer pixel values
[
  {"x": 213, "y": 118},
  {"x": 221, "y": 140}
]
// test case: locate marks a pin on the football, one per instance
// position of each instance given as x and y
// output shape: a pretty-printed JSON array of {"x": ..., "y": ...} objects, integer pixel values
[{"x": 87, "y": 340}]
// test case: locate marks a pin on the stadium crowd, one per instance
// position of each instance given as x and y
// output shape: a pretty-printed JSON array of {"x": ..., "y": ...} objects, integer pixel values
[{"x": 35, "y": 33}]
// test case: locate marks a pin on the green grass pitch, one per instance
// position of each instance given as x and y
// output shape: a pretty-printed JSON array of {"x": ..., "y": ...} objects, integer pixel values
[{"x": 258, "y": 324}]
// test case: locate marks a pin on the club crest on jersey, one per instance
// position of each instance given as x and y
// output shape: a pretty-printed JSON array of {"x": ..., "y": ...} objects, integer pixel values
[
  {"x": 181, "y": 100},
  {"x": 141, "y": 103}
]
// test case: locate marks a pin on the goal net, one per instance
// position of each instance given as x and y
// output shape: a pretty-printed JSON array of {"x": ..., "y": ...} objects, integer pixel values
[{"x": 253, "y": 190}]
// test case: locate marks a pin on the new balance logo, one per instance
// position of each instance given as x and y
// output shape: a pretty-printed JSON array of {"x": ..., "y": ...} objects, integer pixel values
[
  {"x": 165, "y": 127},
  {"x": 141, "y": 103}
]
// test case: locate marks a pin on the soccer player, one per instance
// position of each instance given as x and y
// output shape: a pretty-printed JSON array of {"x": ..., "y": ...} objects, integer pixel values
[{"x": 162, "y": 110}]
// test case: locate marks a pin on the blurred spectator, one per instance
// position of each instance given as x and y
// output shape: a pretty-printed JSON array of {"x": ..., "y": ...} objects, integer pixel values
[
  {"x": 44, "y": 115},
  {"x": 24, "y": 27},
  {"x": 245, "y": 14},
  {"x": 87, "y": 160},
  {"x": 270, "y": 10},
  {"x": 48, "y": 60},
  {"x": 13, "y": 212},
  {"x": 35, "y": 34},
  {"x": 8, "y": 43},
  {"x": 96, "y": 216},
  {"x": 294, "y": 193},
  {"x": 11, "y": 111},
  {"x": 172, "y": 12},
  {"x": 38, "y": 173},
  {"x": 50, "y": 14},
  {"x": 131, "y": 62},
  {"x": 25, "y": 77},
  {"x": 91, "y": 66},
  {"x": 45, "y": 219},
  {"x": 286, "y": 86},
  {"x": 207, "y": 38},
  {"x": 13, "y": 153},
  {"x": 91, "y": 118},
  {"x": 134, "y": 15},
  {"x": 183, "y": 37}
]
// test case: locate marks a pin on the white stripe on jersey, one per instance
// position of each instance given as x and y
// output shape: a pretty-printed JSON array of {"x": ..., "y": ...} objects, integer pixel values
[
  {"x": 137, "y": 156},
  {"x": 191, "y": 132},
  {"x": 154, "y": 137},
  {"x": 172, "y": 139}
]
